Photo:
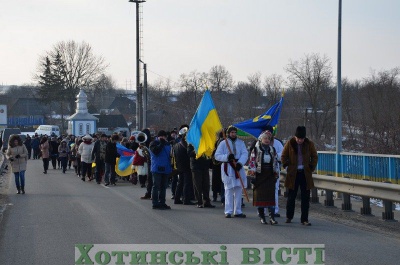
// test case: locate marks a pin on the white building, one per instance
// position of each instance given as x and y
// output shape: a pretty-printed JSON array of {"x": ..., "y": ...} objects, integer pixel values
[{"x": 82, "y": 122}]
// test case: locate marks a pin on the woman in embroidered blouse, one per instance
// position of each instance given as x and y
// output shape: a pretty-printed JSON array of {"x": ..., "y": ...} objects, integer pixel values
[{"x": 264, "y": 166}]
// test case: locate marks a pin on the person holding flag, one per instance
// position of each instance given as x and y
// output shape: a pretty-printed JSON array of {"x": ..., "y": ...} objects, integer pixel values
[{"x": 233, "y": 153}]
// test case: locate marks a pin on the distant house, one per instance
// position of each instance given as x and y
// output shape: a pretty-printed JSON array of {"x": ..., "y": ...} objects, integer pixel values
[
  {"x": 27, "y": 112},
  {"x": 110, "y": 123},
  {"x": 124, "y": 105}
]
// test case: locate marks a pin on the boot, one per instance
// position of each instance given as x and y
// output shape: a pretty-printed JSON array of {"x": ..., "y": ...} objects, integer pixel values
[
  {"x": 18, "y": 190},
  {"x": 23, "y": 190},
  {"x": 262, "y": 216},
  {"x": 272, "y": 217}
]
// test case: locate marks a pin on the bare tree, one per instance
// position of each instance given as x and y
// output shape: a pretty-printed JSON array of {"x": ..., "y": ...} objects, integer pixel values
[
  {"x": 82, "y": 69},
  {"x": 381, "y": 108},
  {"x": 220, "y": 79},
  {"x": 312, "y": 74},
  {"x": 273, "y": 88},
  {"x": 194, "y": 83}
]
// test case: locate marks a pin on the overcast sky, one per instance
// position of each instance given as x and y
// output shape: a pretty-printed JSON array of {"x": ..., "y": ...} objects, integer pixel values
[{"x": 180, "y": 36}]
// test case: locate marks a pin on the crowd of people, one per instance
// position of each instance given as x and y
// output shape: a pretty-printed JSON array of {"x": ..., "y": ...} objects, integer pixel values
[{"x": 167, "y": 159}]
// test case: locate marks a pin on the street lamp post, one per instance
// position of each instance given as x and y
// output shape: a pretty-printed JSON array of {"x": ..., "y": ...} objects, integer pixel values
[
  {"x": 144, "y": 94},
  {"x": 339, "y": 96},
  {"x": 138, "y": 88}
]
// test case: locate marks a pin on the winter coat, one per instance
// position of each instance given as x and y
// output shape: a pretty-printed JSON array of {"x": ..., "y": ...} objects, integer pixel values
[
  {"x": 111, "y": 153},
  {"x": 63, "y": 151},
  {"x": 85, "y": 150},
  {"x": 160, "y": 152},
  {"x": 181, "y": 157},
  {"x": 289, "y": 160},
  {"x": 17, "y": 164},
  {"x": 227, "y": 172},
  {"x": 44, "y": 147}
]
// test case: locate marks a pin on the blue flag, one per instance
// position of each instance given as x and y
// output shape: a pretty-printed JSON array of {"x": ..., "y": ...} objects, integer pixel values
[{"x": 257, "y": 125}]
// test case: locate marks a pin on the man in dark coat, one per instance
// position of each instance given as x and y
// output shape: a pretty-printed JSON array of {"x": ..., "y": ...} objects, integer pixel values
[
  {"x": 300, "y": 158},
  {"x": 110, "y": 160},
  {"x": 182, "y": 164}
]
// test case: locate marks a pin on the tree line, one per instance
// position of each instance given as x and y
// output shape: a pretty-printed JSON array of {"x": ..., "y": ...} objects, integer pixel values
[{"x": 370, "y": 106}]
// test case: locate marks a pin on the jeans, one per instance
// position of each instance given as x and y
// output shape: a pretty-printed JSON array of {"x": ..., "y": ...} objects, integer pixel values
[
  {"x": 160, "y": 183},
  {"x": 64, "y": 163},
  {"x": 20, "y": 179},
  {"x": 305, "y": 198},
  {"x": 110, "y": 170},
  {"x": 100, "y": 166}
]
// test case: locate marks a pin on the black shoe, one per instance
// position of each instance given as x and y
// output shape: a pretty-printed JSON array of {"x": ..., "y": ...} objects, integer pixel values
[
  {"x": 107, "y": 184},
  {"x": 178, "y": 202},
  {"x": 277, "y": 215},
  {"x": 228, "y": 215},
  {"x": 18, "y": 192},
  {"x": 288, "y": 221},
  {"x": 45, "y": 172},
  {"x": 189, "y": 203},
  {"x": 209, "y": 205},
  {"x": 145, "y": 197},
  {"x": 22, "y": 191},
  {"x": 97, "y": 182},
  {"x": 242, "y": 215},
  {"x": 165, "y": 207},
  {"x": 306, "y": 223},
  {"x": 157, "y": 207}
]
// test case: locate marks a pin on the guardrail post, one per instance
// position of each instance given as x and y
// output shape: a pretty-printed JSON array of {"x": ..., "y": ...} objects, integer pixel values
[
  {"x": 346, "y": 205},
  {"x": 329, "y": 199},
  {"x": 314, "y": 195},
  {"x": 388, "y": 214},
  {"x": 366, "y": 209}
]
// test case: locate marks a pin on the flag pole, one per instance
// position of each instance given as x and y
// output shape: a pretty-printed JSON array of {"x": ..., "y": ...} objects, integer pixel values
[{"x": 234, "y": 163}]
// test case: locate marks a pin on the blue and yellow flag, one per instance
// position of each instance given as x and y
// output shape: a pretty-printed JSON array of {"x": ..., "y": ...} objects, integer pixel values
[
  {"x": 257, "y": 125},
  {"x": 204, "y": 127}
]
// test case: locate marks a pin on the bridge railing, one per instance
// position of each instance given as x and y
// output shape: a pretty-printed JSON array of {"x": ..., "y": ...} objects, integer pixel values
[
  {"x": 387, "y": 192},
  {"x": 373, "y": 167}
]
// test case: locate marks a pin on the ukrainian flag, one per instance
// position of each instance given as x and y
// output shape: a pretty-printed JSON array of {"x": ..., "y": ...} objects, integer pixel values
[
  {"x": 256, "y": 125},
  {"x": 204, "y": 127}
]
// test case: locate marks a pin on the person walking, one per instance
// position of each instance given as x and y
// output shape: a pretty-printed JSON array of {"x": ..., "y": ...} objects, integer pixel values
[
  {"x": 18, "y": 156},
  {"x": 160, "y": 152},
  {"x": 44, "y": 149},
  {"x": 110, "y": 160},
  {"x": 233, "y": 159},
  {"x": 264, "y": 167},
  {"x": 28, "y": 145},
  {"x": 36, "y": 146},
  {"x": 63, "y": 152},
  {"x": 300, "y": 159},
  {"x": 53, "y": 148},
  {"x": 85, "y": 150},
  {"x": 99, "y": 155}
]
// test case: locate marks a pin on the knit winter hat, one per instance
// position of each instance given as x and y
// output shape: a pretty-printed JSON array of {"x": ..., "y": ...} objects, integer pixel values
[{"x": 300, "y": 132}]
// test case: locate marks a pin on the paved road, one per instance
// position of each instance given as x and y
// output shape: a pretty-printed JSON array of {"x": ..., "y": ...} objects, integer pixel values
[{"x": 59, "y": 211}]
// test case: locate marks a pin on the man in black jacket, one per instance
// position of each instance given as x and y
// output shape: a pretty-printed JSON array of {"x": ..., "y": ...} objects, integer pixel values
[
  {"x": 110, "y": 160},
  {"x": 99, "y": 155},
  {"x": 201, "y": 178},
  {"x": 182, "y": 164}
]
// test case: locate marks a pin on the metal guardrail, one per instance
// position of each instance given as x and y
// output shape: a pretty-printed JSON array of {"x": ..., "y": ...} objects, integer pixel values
[
  {"x": 387, "y": 192},
  {"x": 378, "y": 168}
]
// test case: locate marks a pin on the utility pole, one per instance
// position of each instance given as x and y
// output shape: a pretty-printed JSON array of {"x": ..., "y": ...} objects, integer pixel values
[
  {"x": 145, "y": 96},
  {"x": 339, "y": 96},
  {"x": 138, "y": 88}
]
